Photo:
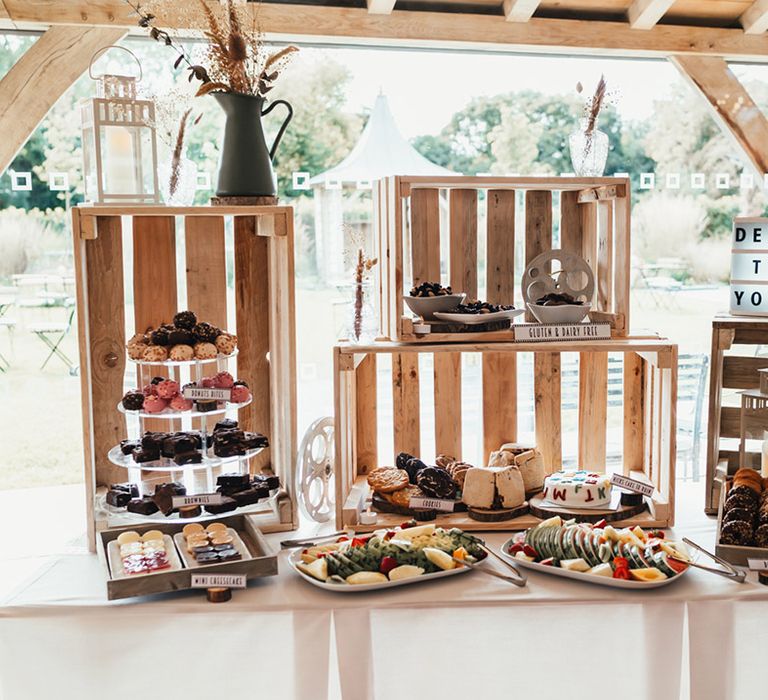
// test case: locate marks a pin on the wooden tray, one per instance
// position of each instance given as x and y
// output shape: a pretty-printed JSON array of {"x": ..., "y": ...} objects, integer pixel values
[{"x": 262, "y": 561}]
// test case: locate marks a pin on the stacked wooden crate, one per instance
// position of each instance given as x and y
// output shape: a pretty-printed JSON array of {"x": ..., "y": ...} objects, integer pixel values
[{"x": 593, "y": 222}]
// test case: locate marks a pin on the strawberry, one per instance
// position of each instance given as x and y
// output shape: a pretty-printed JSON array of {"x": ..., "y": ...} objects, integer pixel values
[
  {"x": 600, "y": 524},
  {"x": 530, "y": 551},
  {"x": 549, "y": 561},
  {"x": 517, "y": 547},
  {"x": 387, "y": 564}
]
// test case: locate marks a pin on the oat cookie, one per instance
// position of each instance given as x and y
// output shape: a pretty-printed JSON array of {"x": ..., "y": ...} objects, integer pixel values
[{"x": 388, "y": 479}]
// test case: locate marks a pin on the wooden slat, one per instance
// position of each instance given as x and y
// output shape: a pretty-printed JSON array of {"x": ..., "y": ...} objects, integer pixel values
[
  {"x": 366, "y": 406},
  {"x": 721, "y": 340},
  {"x": 634, "y": 412},
  {"x": 447, "y": 371},
  {"x": 520, "y": 10},
  {"x": 645, "y": 14},
  {"x": 730, "y": 422},
  {"x": 604, "y": 268},
  {"x": 499, "y": 400},
  {"x": 463, "y": 241},
  {"x": 730, "y": 103},
  {"x": 546, "y": 384},
  {"x": 538, "y": 227},
  {"x": 406, "y": 404},
  {"x": 570, "y": 223},
  {"x": 425, "y": 236},
  {"x": 382, "y": 270},
  {"x": 101, "y": 334},
  {"x": 396, "y": 241},
  {"x": 500, "y": 247},
  {"x": 593, "y": 410},
  {"x": 252, "y": 294},
  {"x": 622, "y": 262},
  {"x": 741, "y": 372},
  {"x": 206, "y": 268},
  {"x": 755, "y": 19},
  {"x": 43, "y": 74}
]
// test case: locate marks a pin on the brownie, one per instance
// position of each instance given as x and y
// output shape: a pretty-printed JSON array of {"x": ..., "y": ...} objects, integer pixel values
[
  {"x": 236, "y": 450},
  {"x": 229, "y": 436},
  {"x": 736, "y": 532},
  {"x": 142, "y": 506},
  {"x": 227, "y": 504},
  {"x": 271, "y": 481},
  {"x": 252, "y": 441},
  {"x": 250, "y": 496},
  {"x": 128, "y": 446},
  {"x": 178, "y": 443},
  {"x": 164, "y": 494},
  {"x": 141, "y": 455},
  {"x": 191, "y": 457},
  {"x": 118, "y": 499},
  {"x": 225, "y": 424},
  {"x": 239, "y": 481},
  {"x": 153, "y": 441},
  {"x": 131, "y": 489},
  {"x": 206, "y": 406}
]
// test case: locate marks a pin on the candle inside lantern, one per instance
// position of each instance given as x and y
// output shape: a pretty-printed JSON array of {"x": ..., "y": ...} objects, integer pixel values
[{"x": 119, "y": 165}]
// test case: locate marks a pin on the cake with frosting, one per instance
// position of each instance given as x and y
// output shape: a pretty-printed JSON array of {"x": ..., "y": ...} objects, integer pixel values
[{"x": 577, "y": 489}]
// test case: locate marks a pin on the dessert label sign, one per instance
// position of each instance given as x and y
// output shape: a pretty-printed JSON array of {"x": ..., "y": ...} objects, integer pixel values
[
  {"x": 543, "y": 332},
  {"x": 440, "y": 504},
  {"x": 200, "y": 499},
  {"x": 625, "y": 482},
  {"x": 219, "y": 580},
  {"x": 201, "y": 394},
  {"x": 757, "y": 564},
  {"x": 749, "y": 267}
]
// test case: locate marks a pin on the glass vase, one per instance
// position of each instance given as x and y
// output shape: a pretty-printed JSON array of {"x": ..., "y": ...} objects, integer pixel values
[
  {"x": 589, "y": 150},
  {"x": 186, "y": 183},
  {"x": 362, "y": 327}
]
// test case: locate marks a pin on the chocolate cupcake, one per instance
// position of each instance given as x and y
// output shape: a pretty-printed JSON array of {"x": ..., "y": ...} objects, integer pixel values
[
  {"x": 436, "y": 482},
  {"x": 181, "y": 336},
  {"x": 185, "y": 319},
  {"x": 736, "y": 532},
  {"x": 133, "y": 401},
  {"x": 206, "y": 333},
  {"x": 739, "y": 514}
]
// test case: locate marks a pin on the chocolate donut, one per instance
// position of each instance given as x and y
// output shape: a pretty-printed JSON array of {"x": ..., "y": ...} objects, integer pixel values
[
  {"x": 748, "y": 516},
  {"x": 741, "y": 500},
  {"x": 736, "y": 532},
  {"x": 761, "y": 536},
  {"x": 436, "y": 482}
]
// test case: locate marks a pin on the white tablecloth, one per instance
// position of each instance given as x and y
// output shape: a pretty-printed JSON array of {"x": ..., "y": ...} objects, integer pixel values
[{"x": 467, "y": 636}]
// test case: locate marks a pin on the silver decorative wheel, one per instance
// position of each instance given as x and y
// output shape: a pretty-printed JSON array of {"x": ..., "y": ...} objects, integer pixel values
[
  {"x": 570, "y": 274},
  {"x": 314, "y": 471}
]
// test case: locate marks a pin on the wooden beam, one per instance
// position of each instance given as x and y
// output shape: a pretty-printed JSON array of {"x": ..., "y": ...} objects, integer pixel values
[
  {"x": 428, "y": 29},
  {"x": 520, "y": 10},
  {"x": 755, "y": 18},
  {"x": 731, "y": 104},
  {"x": 380, "y": 7},
  {"x": 645, "y": 14},
  {"x": 42, "y": 75}
]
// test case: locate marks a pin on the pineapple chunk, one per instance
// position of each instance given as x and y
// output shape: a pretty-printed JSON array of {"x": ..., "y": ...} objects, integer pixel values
[{"x": 639, "y": 533}]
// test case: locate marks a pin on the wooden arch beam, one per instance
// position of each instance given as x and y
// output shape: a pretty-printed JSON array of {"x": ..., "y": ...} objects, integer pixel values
[
  {"x": 42, "y": 75},
  {"x": 731, "y": 104}
]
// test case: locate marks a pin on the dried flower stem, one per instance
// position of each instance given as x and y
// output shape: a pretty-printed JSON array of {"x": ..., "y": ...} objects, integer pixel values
[{"x": 178, "y": 151}]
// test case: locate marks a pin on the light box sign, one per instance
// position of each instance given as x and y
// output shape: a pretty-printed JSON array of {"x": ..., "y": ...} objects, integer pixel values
[{"x": 749, "y": 267}]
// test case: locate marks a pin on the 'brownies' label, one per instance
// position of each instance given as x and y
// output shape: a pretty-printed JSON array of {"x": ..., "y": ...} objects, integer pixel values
[
  {"x": 200, "y": 499},
  {"x": 624, "y": 482},
  {"x": 201, "y": 394},
  {"x": 219, "y": 581},
  {"x": 440, "y": 504}
]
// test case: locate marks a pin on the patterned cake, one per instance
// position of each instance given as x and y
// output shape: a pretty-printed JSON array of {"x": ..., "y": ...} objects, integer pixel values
[{"x": 577, "y": 489}]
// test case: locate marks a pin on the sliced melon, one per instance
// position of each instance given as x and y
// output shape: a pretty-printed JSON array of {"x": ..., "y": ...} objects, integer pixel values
[
  {"x": 440, "y": 558},
  {"x": 317, "y": 569},
  {"x": 650, "y": 574},
  {"x": 405, "y": 571},
  {"x": 364, "y": 577}
]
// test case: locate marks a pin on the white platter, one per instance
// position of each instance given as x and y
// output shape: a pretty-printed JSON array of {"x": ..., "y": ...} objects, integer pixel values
[
  {"x": 166, "y": 464},
  {"x": 169, "y": 414},
  {"x": 116, "y": 561},
  {"x": 585, "y": 578},
  {"x": 477, "y": 319},
  {"x": 183, "y": 363},
  {"x": 295, "y": 559},
  {"x": 189, "y": 558}
]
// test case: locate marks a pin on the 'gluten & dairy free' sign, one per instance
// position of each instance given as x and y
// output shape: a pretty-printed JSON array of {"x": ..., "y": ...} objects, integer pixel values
[{"x": 749, "y": 267}]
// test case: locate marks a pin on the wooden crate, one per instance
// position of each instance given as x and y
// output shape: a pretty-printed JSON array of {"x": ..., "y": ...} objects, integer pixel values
[
  {"x": 733, "y": 553},
  {"x": 730, "y": 371},
  {"x": 414, "y": 247},
  {"x": 263, "y": 269},
  {"x": 649, "y": 405}
]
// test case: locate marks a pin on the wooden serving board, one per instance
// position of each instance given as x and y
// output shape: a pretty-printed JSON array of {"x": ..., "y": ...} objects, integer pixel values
[
  {"x": 541, "y": 509},
  {"x": 382, "y": 505},
  {"x": 490, "y": 515},
  {"x": 446, "y": 327}
]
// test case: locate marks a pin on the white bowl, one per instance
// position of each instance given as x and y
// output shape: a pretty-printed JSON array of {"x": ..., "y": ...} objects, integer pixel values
[
  {"x": 566, "y": 313},
  {"x": 426, "y": 306}
]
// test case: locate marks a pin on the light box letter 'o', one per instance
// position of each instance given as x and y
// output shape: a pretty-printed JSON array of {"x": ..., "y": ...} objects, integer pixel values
[{"x": 749, "y": 267}]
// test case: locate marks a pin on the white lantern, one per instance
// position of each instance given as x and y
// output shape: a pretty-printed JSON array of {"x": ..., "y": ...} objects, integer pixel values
[{"x": 119, "y": 143}]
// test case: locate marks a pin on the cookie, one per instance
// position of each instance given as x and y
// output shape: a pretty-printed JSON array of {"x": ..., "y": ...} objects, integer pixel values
[
  {"x": 403, "y": 497},
  {"x": 736, "y": 532},
  {"x": 741, "y": 500},
  {"x": 436, "y": 482},
  {"x": 739, "y": 514},
  {"x": 444, "y": 461},
  {"x": 387, "y": 479},
  {"x": 761, "y": 536},
  {"x": 458, "y": 472}
]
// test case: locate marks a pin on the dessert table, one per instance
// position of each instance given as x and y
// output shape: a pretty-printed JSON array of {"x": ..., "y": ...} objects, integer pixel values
[{"x": 702, "y": 637}]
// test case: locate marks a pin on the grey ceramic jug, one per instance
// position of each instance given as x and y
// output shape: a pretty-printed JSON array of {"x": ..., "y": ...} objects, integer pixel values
[{"x": 245, "y": 168}]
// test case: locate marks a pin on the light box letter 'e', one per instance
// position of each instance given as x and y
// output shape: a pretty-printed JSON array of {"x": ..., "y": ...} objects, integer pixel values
[{"x": 749, "y": 267}]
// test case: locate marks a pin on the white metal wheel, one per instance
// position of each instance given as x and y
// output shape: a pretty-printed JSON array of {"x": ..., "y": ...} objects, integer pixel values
[{"x": 314, "y": 471}]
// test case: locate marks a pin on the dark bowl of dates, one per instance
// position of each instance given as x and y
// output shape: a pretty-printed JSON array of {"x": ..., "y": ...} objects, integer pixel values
[
  {"x": 559, "y": 308},
  {"x": 428, "y": 297}
]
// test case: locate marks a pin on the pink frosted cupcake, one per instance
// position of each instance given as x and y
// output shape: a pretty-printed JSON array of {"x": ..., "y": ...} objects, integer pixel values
[
  {"x": 240, "y": 394},
  {"x": 208, "y": 383},
  {"x": 154, "y": 404},
  {"x": 223, "y": 380},
  {"x": 167, "y": 389},
  {"x": 179, "y": 403}
]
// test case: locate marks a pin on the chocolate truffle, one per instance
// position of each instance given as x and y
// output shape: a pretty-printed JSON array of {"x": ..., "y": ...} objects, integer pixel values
[
  {"x": 206, "y": 333},
  {"x": 185, "y": 319}
]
